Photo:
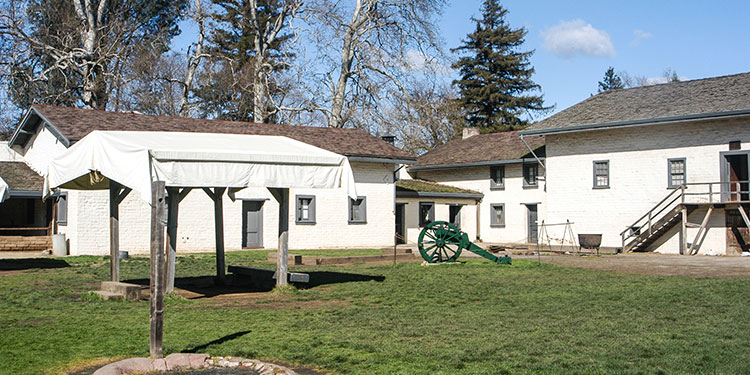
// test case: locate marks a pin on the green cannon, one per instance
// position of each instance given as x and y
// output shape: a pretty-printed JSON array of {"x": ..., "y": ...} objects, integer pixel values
[{"x": 441, "y": 242}]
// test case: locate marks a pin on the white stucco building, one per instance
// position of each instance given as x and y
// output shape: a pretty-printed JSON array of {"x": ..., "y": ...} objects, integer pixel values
[
  {"x": 501, "y": 195},
  {"x": 319, "y": 218},
  {"x": 651, "y": 163}
]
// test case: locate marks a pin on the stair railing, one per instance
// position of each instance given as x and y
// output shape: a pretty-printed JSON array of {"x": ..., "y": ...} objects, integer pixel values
[
  {"x": 700, "y": 192},
  {"x": 645, "y": 222}
]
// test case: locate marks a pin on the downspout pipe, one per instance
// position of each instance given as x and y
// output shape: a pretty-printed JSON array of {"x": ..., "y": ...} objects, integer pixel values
[{"x": 533, "y": 154}]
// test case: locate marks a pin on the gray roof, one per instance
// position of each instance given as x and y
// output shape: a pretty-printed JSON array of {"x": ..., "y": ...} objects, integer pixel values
[
  {"x": 20, "y": 177},
  {"x": 696, "y": 99},
  {"x": 480, "y": 149}
]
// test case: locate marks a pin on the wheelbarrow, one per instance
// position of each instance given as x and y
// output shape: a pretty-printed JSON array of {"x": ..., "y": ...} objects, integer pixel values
[{"x": 442, "y": 242}]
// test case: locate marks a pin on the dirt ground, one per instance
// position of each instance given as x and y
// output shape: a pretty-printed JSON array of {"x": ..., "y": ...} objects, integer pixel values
[{"x": 655, "y": 264}]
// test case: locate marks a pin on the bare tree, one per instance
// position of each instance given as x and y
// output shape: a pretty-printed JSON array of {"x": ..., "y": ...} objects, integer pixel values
[
  {"x": 74, "y": 47},
  {"x": 426, "y": 118},
  {"x": 365, "y": 50}
]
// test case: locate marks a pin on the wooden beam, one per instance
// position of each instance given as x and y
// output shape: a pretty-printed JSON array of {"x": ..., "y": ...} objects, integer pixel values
[
  {"x": 704, "y": 223},
  {"x": 683, "y": 230},
  {"x": 173, "y": 206},
  {"x": 210, "y": 193},
  {"x": 744, "y": 215},
  {"x": 219, "y": 229},
  {"x": 282, "y": 267},
  {"x": 183, "y": 193},
  {"x": 114, "y": 231},
  {"x": 156, "y": 284}
]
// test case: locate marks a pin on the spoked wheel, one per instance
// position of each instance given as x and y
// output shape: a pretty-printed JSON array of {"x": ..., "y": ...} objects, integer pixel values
[{"x": 440, "y": 241}]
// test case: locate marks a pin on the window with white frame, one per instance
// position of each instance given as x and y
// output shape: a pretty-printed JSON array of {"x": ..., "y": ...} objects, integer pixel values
[
  {"x": 497, "y": 215},
  {"x": 358, "y": 210},
  {"x": 601, "y": 174},
  {"x": 497, "y": 177},
  {"x": 62, "y": 208},
  {"x": 305, "y": 209},
  {"x": 677, "y": 172},
  {"x": 530, "y": 175}
]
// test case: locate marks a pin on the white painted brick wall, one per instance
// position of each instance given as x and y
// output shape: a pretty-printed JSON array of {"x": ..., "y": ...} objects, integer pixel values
[
  {"x": 88, "y": 223},
  {"x": 442, "y": 213},
  {"x": 513, "y": 196},
  {"x": 638, "y": 175}
]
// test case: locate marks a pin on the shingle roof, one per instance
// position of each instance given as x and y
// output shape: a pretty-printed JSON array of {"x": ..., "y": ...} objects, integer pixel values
[
  {"x": 481, "y": 148},
  {"x": 678, "y": 99},
  {"x": 430, "y": 187},
  {"x": 75, "y": 123},
  {"x": 19, "y": 176}
]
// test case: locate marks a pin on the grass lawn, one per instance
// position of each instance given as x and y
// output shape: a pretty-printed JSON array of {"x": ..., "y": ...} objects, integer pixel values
[{"x": 474, "y": 318}]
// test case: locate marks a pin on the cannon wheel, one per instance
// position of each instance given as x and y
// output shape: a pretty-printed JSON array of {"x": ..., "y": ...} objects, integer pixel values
[{"x": 441, "y": 241}]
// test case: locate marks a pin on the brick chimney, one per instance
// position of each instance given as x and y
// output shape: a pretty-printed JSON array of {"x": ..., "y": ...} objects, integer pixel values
[
  {"x": 389, "y": 138},
  {"x": 470, "y": 132}
]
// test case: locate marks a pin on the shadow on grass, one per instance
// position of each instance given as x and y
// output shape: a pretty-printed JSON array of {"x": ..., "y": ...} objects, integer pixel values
[
  {"x": 206, "y": 286},
  {"x": 221, "y": 340},
  {"x": 31, "y": 263}
]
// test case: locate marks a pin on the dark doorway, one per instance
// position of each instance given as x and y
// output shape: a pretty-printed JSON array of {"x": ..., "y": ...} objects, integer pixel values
[
  {"x": 400, "y": 233},
  {"x": 735, "y": 174},
  {"x": 252, "y": 224},
  {"x": 454, "y": 215},
  {"x": 532, "y": 220}
]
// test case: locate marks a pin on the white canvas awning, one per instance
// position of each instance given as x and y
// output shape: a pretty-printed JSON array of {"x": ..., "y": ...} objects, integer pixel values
[
  {"x": 4, "y": 191},
  {"x": 135, "y": 159}
]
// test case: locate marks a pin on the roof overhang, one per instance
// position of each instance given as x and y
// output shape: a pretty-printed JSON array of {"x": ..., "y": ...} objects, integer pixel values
[
  {"x": 368, "y": 159},
  {"x": 418, "y": 168},
  {"x": 26, "y": 194},
  {"x": 742, "y": 113},
  {"x": 425, "y": 194},
  {"x": 29, "y": 125}
]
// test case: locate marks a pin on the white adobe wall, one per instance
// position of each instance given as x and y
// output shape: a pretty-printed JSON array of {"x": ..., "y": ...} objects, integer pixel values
[
  {"x": 88, "y": 224},
  {"x": 442, "y": 213},
  {"x": 513, "y": 196},
  {"x": 638, "y": 175},
  {"x": 41, "y": 149}
]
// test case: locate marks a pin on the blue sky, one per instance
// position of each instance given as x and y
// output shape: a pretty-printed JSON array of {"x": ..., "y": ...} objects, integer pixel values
[
  {"x": 576, "y": 41},
  {"x": 697, "y": 39}
]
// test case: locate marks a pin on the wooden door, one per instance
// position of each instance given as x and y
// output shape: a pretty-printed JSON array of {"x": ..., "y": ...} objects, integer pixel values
[
  {"x": 533, "y": 230},
  {"x": 252, "y": 223},
  {"x": 401, "y": 235}
]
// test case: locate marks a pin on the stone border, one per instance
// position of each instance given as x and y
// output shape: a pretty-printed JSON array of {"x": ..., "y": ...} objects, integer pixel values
[{"x": 187, "y": 361}]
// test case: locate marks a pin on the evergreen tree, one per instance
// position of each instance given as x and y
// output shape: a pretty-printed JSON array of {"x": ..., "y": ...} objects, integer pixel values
[
  {"x": 611, "y": 81},
  {"x": 495, "y": 76}
]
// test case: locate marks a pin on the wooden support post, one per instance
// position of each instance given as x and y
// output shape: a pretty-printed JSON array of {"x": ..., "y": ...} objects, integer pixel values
[
  {"x": 174, "y": 198},
  {"x": 114, "y": 231},
  {"x": 219, "y": 221},
  {"x": 704, "y": 223},
  {"x": 173, "y": 207},
  {"x": 282, "y": 267},
  {"x": 683, "y": 230},
  {"x": 156, "y": 284}
]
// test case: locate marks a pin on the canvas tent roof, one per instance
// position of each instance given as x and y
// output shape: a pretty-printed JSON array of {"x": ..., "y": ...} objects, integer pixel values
[{"x": 135, "y": 159}]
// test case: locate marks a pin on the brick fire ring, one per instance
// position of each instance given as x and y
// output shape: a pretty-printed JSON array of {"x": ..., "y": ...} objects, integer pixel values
[{"x": 189, "y": 361}]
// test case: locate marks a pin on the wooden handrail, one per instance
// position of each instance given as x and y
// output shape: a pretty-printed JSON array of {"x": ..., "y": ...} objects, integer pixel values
[
  {"x": 653, "y": 214},
  {"x": 24, "y": 229}
]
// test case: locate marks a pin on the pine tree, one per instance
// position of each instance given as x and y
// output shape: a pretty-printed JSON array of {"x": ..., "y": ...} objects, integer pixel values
[
  {"x": 611, "y": 81},
  {"x": 495, "y": 76}
]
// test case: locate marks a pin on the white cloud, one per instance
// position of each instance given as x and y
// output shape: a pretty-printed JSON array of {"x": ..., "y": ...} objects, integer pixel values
[
  {"x": 419, "y": 61},
  {"x": 569, "y": 39},
  {"x": 639, "y": 36}
]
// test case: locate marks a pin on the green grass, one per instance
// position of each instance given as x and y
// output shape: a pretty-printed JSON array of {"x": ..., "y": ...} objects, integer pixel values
[{"x": 474, "y": 318}]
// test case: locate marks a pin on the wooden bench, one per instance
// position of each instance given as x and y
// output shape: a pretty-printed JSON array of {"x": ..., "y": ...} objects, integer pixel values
[{"x": 293, "y": 277}]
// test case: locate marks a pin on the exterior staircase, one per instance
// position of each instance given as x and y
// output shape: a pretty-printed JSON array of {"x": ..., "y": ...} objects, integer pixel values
[
  {"x": 686, "y": 198},
  {"x": 644, "y": 238}
]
